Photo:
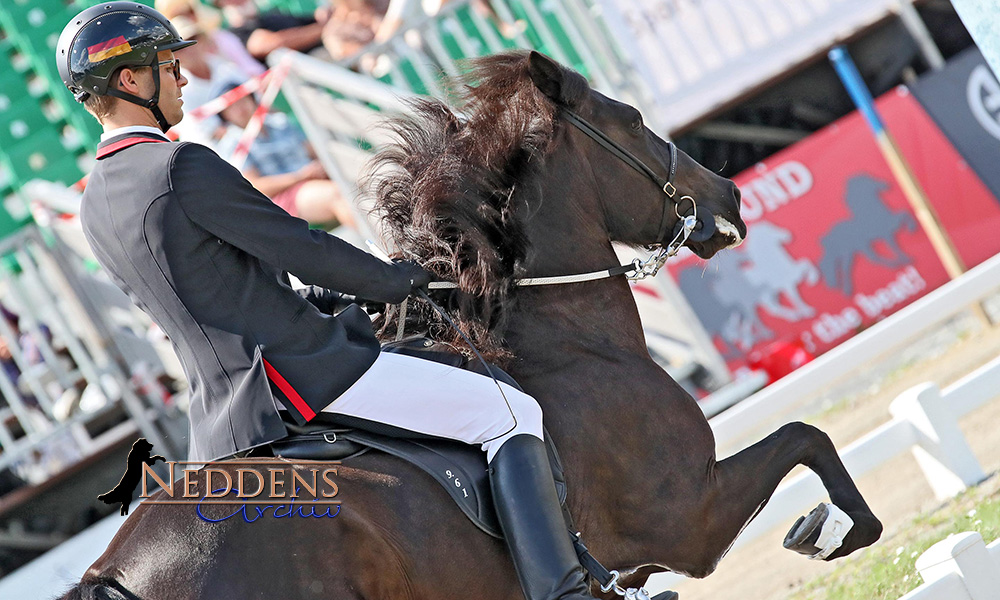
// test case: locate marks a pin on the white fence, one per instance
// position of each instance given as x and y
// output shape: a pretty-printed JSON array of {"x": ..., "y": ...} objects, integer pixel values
[
  {"x": 925, "y": 418},
  {"x": 756, "y": 414},
  {"x": 961, "y": 567}
]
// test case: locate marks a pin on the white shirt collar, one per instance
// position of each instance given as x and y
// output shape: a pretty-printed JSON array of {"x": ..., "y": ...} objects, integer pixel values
[{"x": 132, "y": 129}]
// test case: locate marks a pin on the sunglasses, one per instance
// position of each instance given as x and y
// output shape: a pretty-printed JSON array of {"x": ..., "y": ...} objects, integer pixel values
[{"x": 175, "y": 64}]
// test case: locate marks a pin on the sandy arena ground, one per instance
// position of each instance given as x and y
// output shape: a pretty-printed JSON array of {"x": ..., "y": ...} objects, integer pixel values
[{"x": 897, "y": 491}]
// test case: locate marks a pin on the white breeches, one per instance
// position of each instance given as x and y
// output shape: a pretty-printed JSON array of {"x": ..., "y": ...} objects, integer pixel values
[{"x": 435, "y": 399}]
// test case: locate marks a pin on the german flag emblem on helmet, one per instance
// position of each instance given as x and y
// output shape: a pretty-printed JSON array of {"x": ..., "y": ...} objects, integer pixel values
[{"x": 106, "y": 50}]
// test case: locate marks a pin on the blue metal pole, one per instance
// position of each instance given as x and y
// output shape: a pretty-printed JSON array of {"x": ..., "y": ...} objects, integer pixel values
[
  {"x": 914, "y": 193},
  {"x": 856, "y": 87}
]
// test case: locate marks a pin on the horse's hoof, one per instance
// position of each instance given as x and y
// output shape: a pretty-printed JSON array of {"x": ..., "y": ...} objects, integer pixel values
[{"x": 820, "y": 533}]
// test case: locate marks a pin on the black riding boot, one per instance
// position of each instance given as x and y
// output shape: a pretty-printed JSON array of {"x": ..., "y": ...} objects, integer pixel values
[{"x": 532, "y": 521}]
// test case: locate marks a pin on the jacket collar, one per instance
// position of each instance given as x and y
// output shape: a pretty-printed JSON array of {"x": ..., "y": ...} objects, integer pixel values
[{"x": 122, "y": 138}]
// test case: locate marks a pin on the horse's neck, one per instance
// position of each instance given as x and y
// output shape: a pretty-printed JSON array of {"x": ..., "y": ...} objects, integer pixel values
[{"x": 555, "y": 324}]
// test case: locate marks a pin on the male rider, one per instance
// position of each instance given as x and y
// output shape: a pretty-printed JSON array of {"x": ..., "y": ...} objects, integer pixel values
[{"x": 205, "y": 255}]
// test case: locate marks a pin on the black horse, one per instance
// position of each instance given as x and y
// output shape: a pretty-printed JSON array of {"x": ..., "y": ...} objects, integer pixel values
[{"x": 506, "y": 189}]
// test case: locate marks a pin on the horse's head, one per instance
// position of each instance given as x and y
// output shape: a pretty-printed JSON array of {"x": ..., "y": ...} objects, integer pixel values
[{"x": 645, "y": 186}]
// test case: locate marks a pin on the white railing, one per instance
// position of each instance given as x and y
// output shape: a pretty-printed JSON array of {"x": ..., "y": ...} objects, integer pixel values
[
  {"x": 570, "y": 31},
  {"x": 925, "y": 418},
  {"x": 961, "y": 567},
  {"x": 761, "y": 411},
  {"x": 696, "y": 57},
  {"x": 81, "y": 328}
]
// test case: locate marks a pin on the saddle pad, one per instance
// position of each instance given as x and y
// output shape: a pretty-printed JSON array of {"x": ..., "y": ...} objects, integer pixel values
[{"x": 460, "y": 468}]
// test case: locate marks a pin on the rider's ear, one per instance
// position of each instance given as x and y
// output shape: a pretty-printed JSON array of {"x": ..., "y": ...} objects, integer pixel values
[{"x": 561, "y": 85}]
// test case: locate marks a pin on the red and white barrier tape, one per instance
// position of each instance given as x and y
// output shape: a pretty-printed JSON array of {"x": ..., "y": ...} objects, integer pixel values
[
  {"x": 257, "y": 121},
  {"x": 273, "y": 77},
  {"x": 217, "y": 105}
]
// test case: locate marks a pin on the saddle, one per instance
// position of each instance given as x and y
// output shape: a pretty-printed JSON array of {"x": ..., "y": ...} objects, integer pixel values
[{"x": 460, "y": 468}]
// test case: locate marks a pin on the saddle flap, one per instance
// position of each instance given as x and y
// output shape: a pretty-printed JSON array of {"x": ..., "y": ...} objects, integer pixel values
[{"x": 460, "y": 468}]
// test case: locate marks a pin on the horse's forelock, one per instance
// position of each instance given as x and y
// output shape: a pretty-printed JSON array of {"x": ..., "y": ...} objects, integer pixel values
[{"x": 445, "y": 189}]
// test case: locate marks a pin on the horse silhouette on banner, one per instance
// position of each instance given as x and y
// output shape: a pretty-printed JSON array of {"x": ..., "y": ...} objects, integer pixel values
[{"x": 871, "y": 221}]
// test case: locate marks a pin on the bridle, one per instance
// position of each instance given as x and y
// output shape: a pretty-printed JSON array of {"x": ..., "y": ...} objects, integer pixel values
[{"x": 698, "y": 226}]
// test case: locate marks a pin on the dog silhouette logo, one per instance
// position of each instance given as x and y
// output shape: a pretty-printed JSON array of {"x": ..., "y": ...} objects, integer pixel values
[{"x": 139, "y": 454}]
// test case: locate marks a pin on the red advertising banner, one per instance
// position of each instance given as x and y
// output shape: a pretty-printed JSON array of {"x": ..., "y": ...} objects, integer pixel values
[{"x": 832, "y": 244}]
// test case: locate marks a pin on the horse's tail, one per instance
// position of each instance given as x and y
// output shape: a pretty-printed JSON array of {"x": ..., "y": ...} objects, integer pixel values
[{"x": 103, "y": 589}]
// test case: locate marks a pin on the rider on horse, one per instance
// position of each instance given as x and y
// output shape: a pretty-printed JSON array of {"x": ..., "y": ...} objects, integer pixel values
[{"x": 206, "y": 256}]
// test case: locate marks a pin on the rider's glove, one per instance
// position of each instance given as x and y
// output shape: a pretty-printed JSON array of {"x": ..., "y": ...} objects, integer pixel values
[{"x": 419, "y": 277}]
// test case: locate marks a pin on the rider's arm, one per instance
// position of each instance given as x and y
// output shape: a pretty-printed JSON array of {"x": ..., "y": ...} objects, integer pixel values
[
  {"x": 327, "y": 301},
  {"x": 218, "y": 198}
]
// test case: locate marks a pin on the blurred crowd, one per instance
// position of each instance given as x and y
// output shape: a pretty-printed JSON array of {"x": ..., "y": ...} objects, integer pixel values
[{"x": 234, "y": 39}]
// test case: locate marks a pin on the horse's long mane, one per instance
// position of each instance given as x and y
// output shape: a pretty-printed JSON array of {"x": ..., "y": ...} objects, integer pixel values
[{"x": 446, "y": 193}]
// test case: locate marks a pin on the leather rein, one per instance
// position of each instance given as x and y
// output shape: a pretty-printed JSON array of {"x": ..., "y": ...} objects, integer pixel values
[{"x": 697, "y": 226}]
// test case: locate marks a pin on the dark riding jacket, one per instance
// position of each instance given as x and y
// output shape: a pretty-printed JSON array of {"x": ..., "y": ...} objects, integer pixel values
[{"x": 205, "y": 255}]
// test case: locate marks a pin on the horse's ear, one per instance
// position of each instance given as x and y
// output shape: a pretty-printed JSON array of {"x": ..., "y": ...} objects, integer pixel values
[
  {"x": 561, "y": 85},
  {"x": 546, "y": 74}
]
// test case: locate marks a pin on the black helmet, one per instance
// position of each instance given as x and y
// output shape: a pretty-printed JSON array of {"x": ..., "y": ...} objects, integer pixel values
[{"x": 103, "y": 38}]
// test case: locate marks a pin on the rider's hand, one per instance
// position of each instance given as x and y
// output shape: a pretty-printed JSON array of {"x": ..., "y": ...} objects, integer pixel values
[{"x": 419, "y": 276}]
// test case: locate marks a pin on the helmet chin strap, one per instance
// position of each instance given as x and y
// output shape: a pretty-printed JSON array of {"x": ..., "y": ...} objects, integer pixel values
[{"x": 150, "y": 103}]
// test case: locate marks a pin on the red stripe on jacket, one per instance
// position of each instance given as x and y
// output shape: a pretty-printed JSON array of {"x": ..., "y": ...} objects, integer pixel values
[
  {"x": 286, "y": 388},
  {"x": 125, "y": 143}
]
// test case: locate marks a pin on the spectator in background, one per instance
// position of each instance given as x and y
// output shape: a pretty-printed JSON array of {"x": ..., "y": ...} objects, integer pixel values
[
  {"x": 353, "y": 25},
  {"x": 218, "y": 57},
  {"x": 208, "y": 21},
  {"x": 264, "y": 32},
  {"x": 281, "y": 165}
]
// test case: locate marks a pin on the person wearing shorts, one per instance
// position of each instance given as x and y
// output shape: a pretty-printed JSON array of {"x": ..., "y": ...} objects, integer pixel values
[{"x": 280, "y": 163}]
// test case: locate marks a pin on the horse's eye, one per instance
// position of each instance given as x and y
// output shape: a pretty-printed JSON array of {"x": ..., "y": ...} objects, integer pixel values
[{"x": 637, "y": 123}]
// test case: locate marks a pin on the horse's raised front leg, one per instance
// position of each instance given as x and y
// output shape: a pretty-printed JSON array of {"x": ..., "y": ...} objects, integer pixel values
[{"x": 742, "y": 484}]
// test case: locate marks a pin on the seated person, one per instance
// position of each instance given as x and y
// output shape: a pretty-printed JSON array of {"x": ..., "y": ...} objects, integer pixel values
[
  {"x": 282, "y": 166},
  {"x": 206, "y": 68},
  {"x": 208, "y": 21},
  {"x": 352, "y": 26},
  {"x": 264, "y": 32}
]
